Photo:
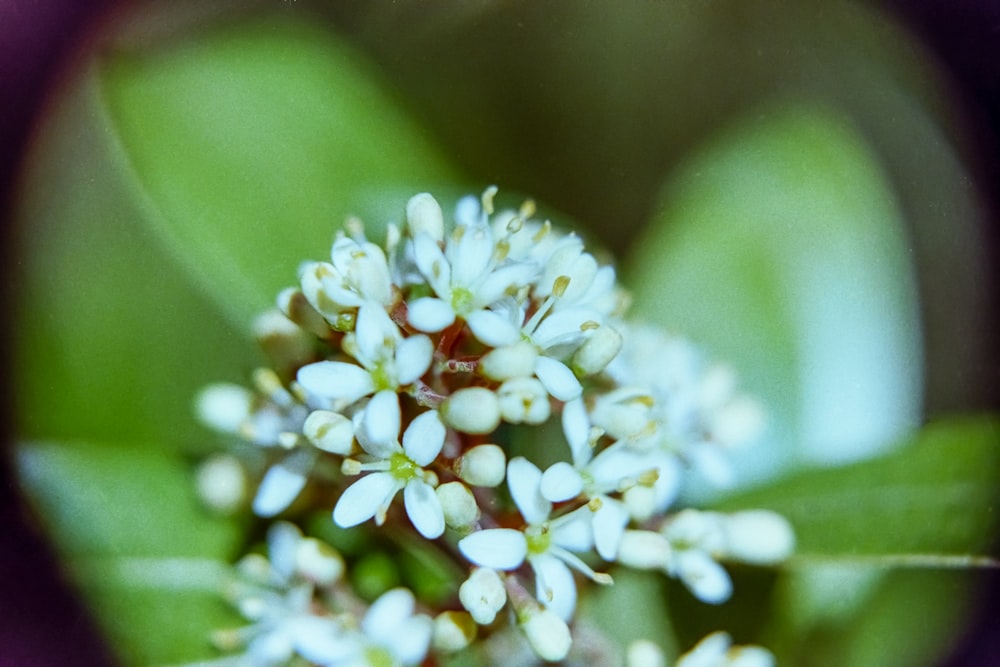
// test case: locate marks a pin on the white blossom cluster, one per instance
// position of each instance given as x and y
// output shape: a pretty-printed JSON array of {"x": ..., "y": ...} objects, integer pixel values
[{"x": 409, "y": 366}]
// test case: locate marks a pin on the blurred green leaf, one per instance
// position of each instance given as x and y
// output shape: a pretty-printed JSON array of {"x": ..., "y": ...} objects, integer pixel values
[
  {"x": 779, "y": 247},
  {"x": 252, "y": 144},
  {"x": 932, "y": 497},
  {"x": 130, "y": 531},
  {"x": 885, "y": 548}
]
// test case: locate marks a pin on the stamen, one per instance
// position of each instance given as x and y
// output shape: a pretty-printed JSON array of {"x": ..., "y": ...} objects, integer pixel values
[{"x": 487, "y": 199}]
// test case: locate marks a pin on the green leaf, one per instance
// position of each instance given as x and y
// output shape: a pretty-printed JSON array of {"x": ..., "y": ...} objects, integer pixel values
[
  {"x": 132, "y": 535},
  {"x": 882, "y": 572},
  {"x": 253, "y": 143},
  {"x": 933, "y": 496},
  {"x": 779, "y": 247}
]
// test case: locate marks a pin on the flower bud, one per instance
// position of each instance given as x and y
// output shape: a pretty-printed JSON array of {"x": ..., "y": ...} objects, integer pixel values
[
  {"x": 644, "y": 653},
  {"x": 223, "y": 407},
  {"x": 330, "y": 431},
  {"x": 758, "y": 537},
  {"x": 511, "y": 361},
  {"x": 472, "y": 410},
  {"x": 296, "y": 307},
  {"x": 483, "y": 595},
  {"x": 453, "y": 631},
  {"x": 523, "y": 400},
  {"x": 547, "y": 634},
  {"x": 483, "y": 465},
  {"x": 597, "y": 351},
  {"x": 222, "y": 484},
  {"x": 458, "y": 504},
  {"x": 423, "y": 214}
]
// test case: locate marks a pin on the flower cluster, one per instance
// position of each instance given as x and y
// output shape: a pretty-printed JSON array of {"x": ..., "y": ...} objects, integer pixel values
[{"x": 430, "y": 365}]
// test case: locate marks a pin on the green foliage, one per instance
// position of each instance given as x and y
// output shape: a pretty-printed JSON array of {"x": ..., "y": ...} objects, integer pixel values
[
  {"x": 129, "y": 529},
  {"x": 779, "y": 247}
]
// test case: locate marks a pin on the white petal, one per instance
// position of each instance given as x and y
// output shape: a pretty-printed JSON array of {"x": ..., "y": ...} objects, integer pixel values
[
  {"x": 409, "y": 645},
  {"x": 554, "y": 585},
  {"x": 576, "y": 428},
  {"x": 703, "y": 576},
  {"x": 561, "y": 482},
  {"x": 364, "y": 499},
  {"x": 496, "y": 548},
  {"x": 429, "y": 314},
  {"x": 564, "y": 326},
  {"x": 574, "y": 531},
  {"x": 387, "y": 614},
  {"x": 424, "y": 509},
  {"x": 470, "y": 257},
  {"x": 492, "y": 328},
  {"x": 282, "y": 544},
  {"x": 336, "y": 380},
  {"x": 558, "y": 379},
  {"x": 373, "y": 329},
  {"x": 282, "y": 483},
  {"x": 319, "y": 640},
  {"x": 424, "y": 438},
  {"x": 524, "y": 480},
  {"x": 432, "y": 264},
  {"x": 609, "y": 526},
  {"x": 501, "y": 280},
  {"x": 413, "y": 358},
  {"x": 381, "y": 424}
]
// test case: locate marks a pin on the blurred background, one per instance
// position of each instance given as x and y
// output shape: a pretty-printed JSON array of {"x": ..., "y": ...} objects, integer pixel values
[{"x": 608, "y": 114}]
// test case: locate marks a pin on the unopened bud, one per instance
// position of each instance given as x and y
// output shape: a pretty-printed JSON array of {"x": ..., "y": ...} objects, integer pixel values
[
  {"x": 483, "y": 595},
  {"x": 458, "y": 504},
  {"x": 223, "y": 407},
  {"x": 483, "y": 465},
  {"x": 453, "y": 631},
  {"x": 511, "y": 361},
  {"x": 472, "y": 410},
  {"x": 547, "y": 634},
  {"x": 296, "y": 307},
  {"x": 423, "y": 214},
  {"x": 644, "y": 653},
  {"x": 222, "y": 484},
  {"x": 597, "y": 351},
  {"x": 330, "y": 431}
]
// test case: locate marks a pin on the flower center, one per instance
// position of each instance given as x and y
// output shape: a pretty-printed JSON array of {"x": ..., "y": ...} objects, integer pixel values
[
  {"x": 376, "y": 656},
  {"x": 461, "y": 300},
  {"x": 402, "y": 468},
  {"x": 382, "y": 378},
  {"x": 538, "y": 538}
]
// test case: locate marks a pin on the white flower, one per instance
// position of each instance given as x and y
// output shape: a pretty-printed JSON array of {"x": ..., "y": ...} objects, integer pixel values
[
  {"x": 277, "y": 595},
  {"x": 394, "y": 467},
  {"x": 389, "y": 362},
  {"x": 547, "y": 544},
  {"x": 391, "y": 634},
  {"x": 716, "y": 650},
  {"x": 619, "y": 467},
  {"x": 466, "y": 277},
  {"x": 359, "y": 273}
]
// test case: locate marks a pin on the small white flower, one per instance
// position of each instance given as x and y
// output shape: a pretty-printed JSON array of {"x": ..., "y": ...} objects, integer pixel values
[
  {"x": 388, "y": 360},
  {"x": 396, "y": 467},
  {"x": 546, "y": 544},
  {"x": 277, "y": 596},
  {"x": 466, "y": 277},
  {"x": 391, "y": 634},
  {"x": 359, "y": 273},
  {"x": 716, "y": 650}
]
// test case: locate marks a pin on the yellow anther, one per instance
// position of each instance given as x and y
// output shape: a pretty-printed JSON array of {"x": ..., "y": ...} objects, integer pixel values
[
  {"x": 487, "y": 199},
  {"x": 527, "y": 209},
  {"x": 559, "y": 286},
  {"x": 589, "y": 325}
]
